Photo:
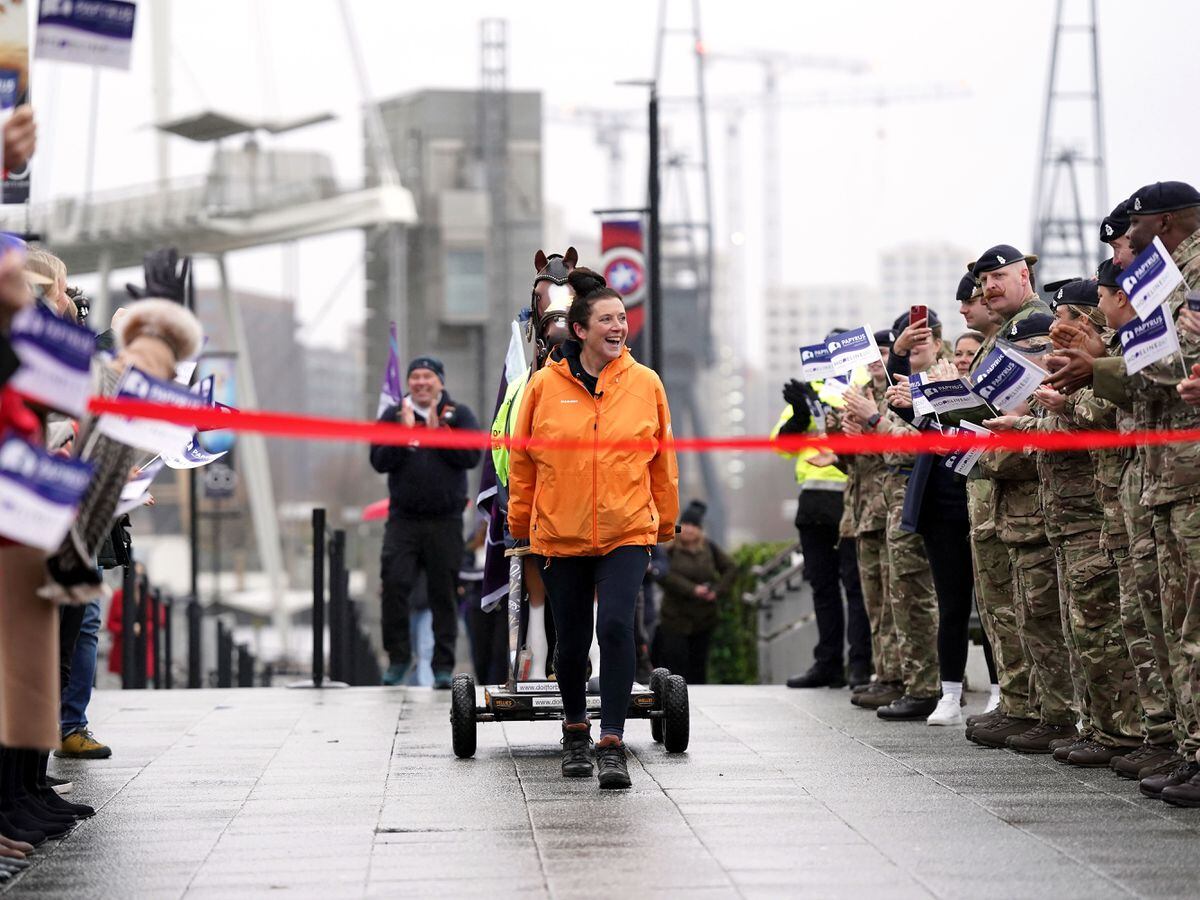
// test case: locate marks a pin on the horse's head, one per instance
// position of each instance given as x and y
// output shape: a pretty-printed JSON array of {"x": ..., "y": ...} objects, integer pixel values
[{"x": 551, "y": 298}]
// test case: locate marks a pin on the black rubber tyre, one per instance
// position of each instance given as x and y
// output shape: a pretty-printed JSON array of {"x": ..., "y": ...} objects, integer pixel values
[
  {"x": 677, "y": 721},
  {"x": 462, "y": 715},
  {"x": 657, "y": 679}
]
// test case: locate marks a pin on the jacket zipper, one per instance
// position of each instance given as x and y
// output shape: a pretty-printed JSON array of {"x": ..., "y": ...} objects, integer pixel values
[{"x": 596, "y": 473}]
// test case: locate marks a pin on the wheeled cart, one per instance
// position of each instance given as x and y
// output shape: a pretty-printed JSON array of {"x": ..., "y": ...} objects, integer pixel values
[{"x": 664, "y": 701}]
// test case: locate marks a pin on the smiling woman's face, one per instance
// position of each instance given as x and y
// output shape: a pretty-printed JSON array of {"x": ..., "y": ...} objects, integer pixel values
[{"x": 606, "y": 329}]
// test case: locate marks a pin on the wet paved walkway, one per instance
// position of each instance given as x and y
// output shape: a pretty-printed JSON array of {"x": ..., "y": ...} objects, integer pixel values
[{"x": 783, "y": 794}]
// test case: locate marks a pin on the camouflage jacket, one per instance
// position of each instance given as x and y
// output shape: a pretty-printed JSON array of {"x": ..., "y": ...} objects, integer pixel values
[
  {"x": 866, "y": 493},
  {"x": 1090, "y": 412},
  {"x": 1172, "y": 471}
]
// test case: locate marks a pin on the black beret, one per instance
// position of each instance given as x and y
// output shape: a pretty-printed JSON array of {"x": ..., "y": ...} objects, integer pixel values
[
  {"x": 885, "y": 337},
  {"x": 1161, "y": 197},
  {"x": 693, "y": 513},
  {"x": 1000, "y": 256},
  {"x": 968, "y": 287},
  {"x": 1033, "y": 325},
  {"x": 1076, "y": 292},
  {"x": 834, "y": 333},
  {"x": 1115, "y": 224},
  {"x": 1109, "y": 275},
  {"x": 902, "y": 321}
]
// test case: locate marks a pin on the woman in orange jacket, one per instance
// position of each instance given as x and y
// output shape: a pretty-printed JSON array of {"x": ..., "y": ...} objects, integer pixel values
[{"x": 593, "y": 512}]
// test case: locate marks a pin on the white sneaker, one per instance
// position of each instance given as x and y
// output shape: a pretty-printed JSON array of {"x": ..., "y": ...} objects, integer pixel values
[
  {"x": 993, "y": 703},
  {"x": 948, "y": 712}
]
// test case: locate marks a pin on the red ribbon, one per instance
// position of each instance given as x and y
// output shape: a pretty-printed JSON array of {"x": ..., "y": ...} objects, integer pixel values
[{"x": 288, "y": 425}]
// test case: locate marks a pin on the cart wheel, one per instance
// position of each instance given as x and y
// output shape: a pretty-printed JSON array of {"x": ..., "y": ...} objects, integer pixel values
[
  {"x": 676, "y": 722},
  {"x": 657, "y": 678},
  {"x": 462, "y": 715}
]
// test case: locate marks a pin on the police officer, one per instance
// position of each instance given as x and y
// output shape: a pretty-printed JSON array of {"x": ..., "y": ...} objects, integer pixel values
[{"x": 830, "y": 563}]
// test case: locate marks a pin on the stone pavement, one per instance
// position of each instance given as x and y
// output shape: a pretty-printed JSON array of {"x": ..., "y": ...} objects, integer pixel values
[{"x": 783, "y": 793}]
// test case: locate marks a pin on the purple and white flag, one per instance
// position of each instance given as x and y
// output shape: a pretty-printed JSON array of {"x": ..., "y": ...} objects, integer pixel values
[{"x": 39, "y": 493}]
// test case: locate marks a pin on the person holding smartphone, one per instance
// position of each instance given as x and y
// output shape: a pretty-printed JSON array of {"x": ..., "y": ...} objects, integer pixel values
[
  {"x": 428, "y": 492},
  {"x": 593, "y": 486}
]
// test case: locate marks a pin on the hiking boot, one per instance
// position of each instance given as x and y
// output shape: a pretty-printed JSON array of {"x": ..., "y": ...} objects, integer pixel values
[
  {"x": 613, "y": 768},
  {"x": 983, "y": 718},
  {"x": 1159, "y": 766},
  {"x": 82, "y": 745},
  {"x": 997, "y": 732},
  {"x": 1097, "y": 755},
  {"x": 907, "y": 707},
  {"x": 1127, "y": 766},
  {"x": 1183, "y": 771},
  {"x": 1038, "y": 738},
  {"x": 948, "y": 712},
  {"x": 817, "y": 677},
  {"x": 576, "y": 751},
  {"x": 880, "y": 693},
  {"x": 1186, "y": 794},
  {"x": 1066, "y": 745}
]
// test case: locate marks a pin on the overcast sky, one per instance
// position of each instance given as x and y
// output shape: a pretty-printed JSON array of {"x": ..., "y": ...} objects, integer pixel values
[{"x": 855, "y": 178}]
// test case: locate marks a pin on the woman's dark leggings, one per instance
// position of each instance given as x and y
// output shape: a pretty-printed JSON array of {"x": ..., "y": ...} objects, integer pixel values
[
  {"x": 571, "y": 584},
  {"x": 948, "y": 546}
]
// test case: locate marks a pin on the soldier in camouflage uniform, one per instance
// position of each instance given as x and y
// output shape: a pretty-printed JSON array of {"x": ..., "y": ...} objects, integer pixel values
[
  {"x": 1105, "y": 688},
  {"x": 994, "y": 595},
  {"x": 1128, "y": 538},
  {"x": 1171, "y": 489},
  {"x": 1008, "y": 287},
  {"x": 910, "y": 581},
  {"x": 865, "y": 523}
]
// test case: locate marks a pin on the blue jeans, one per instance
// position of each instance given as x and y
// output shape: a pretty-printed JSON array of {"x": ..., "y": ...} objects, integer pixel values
[
  {"x": 77, "y": 692},
  {"x": 421, "y": 629}
]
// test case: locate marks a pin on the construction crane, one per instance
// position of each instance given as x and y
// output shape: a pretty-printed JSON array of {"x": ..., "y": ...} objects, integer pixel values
[
  {"x": 610, "y": 126},
  {"x": 775, "y": 65}
]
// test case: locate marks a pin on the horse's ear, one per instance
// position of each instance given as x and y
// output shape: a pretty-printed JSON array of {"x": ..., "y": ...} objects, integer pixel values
[
  {"x": 539, "y": 261},
  {"x": 572, "y": 257}
]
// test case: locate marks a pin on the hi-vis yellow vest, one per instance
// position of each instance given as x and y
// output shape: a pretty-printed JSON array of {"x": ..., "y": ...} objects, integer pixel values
[
  {"x": 503, "y": 424},
  {"x": 809, "y": 476}
]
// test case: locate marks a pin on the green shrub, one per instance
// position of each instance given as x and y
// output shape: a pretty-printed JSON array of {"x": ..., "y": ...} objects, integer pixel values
[{"x": 734, "y": 655}]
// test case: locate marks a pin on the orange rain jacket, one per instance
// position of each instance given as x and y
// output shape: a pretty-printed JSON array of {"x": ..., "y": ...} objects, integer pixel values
[{"x": 572, "y": 502}]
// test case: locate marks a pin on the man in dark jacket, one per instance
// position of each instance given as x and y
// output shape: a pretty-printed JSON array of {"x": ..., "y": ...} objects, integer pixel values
[{"x": 428, "y": 491}]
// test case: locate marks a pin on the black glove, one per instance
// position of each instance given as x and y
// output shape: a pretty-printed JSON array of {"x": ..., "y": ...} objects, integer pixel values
[
  {"x": 799, "y": 394},
  {"x": 166, "y": 275}
]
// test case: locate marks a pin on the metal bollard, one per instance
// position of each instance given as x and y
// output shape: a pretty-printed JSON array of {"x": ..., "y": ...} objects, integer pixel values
[
  {"x": 142, "y": 593},
  {"x": 337, "y": 602},
  {"x": 224, "y": 656},
  {"x": 318, "y": 605},
  {"x": 168, "y": 653},
  {"x": 268, "y": 675},
  {"x": 245, "y": 666},
  {"x": 352, "y": 643},
  {"x": 194, "y": 615},
  {"x": 154, "y": 635},
  {"x": 128, "y": 626}
]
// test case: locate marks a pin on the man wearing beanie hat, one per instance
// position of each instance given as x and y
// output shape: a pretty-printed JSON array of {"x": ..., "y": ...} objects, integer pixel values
[{"x": 428, "y": 493}]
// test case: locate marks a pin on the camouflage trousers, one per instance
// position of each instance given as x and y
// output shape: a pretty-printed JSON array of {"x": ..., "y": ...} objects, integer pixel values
[
  {"x": 914, "y": 603},
  {"x": 1177, "y": 527},
  {"x": 1158, "y": 699},
  {"x": 1106, "y": 689},
  {"x": 1158, "y": 722},
  {"x": 998, "y": 614},
  {"x": 1040, "y": 624},
  {"x": 873, "y": 574}
]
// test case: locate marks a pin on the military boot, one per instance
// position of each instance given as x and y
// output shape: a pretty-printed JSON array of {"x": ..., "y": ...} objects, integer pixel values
[
  {"x": 1184, "y": 771},
  {"x": 1061, "y": 749},
  {"x": 1038, "y": 738},
  {"x": 1096, "y": 755},
  {"x": 1186, "y": 794},
  {"x": 1130, "y": 764},
  {"x": 880, "y": 693},
  {"x": 983, "y": 718},
  {"x": 997, "y": 732}
]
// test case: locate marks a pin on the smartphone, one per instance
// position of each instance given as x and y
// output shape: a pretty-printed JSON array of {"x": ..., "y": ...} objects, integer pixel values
[
  {"x": 1193, "y": 300},
  {"x": 918, "y": 316}
]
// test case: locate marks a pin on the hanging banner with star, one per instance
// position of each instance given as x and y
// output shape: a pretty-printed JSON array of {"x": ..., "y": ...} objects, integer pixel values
[{"x": 623, "y": 265}]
